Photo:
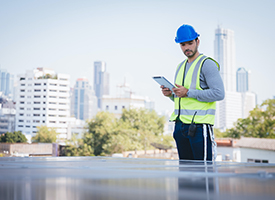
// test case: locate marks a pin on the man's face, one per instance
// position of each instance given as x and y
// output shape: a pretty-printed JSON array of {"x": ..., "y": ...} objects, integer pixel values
[{"x": 189, "y": 48}]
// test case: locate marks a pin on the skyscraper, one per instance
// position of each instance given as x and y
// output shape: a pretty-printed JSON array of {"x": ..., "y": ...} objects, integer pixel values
[
  {"x": 229, "y": 109},
  {"x": 243, "y": 86},
  {"x": 101, "y": 81},
  {"x": 238, "y": 100},
  {"x": 225, "y": 54},
  {"x": 243, "y": 80},
  {"x": 83, "y": 101},
  {"x": 6, "y": 83}
]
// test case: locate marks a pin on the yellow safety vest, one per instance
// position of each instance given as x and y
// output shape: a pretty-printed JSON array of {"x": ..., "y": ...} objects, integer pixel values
[{"x": 186, "y": 107}]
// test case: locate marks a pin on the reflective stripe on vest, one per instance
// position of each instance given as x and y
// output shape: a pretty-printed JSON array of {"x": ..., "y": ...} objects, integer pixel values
[{"x": 186, "y": 107}]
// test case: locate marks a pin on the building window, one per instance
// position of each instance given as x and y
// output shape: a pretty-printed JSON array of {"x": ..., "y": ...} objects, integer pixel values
[
  {"x": 53, "y": 84},
  {"x": 63, "y": 79},
  {"x": 123, "y": 107},
  {"x": 63, "y": 85},
  {"x": 37, "y": 96},
  {"x": 62, "y": 91},
  {"x": 20, "y": 126},
  {"x": 62, "y": 97},
  {"x": 36, "y": 121},
  {"x": 34, "y": 126},
  {"x": 22, "y": 102},
  {"x": 36, "y": 108},
  {"x": 22, "y": 90},
  {"x": 37, "y": 84},
  {"x": 21, "y": 114},
  {"x": 22, "y": 84},
  {"x": 36, "y": 115},
  {"x": 62, "y": 115},
  {"x": 256, "y": 160},
  {"x": 44, "y": 108},
  {"x": 22, "y": 96},
  {"x": 21, "y": 108},
  {"x": 52, "y": 115},
  {"x": 29, "y": 90},
  {"x": 36, "y": 102},
  {"x": 45, "y": 83},
  {"x": 52, "y": 109},
  {"x": 52, "y": 121},
  {"x": 28, "y": 108},
  {"x": 52, "y": 96},
  {"x": 107, "y": 107},
  {"x": 21, "y": 120},
  {"x": 52, "y": 102},
  {"x": 53, "y": 90},
  {"x": 37, "y": 90},
  {"x": 27, "y": 126},
  {"x": 115, "y": 107},
  {"x": 62, "y": 103},
  {"x": 62, "y": 110}
]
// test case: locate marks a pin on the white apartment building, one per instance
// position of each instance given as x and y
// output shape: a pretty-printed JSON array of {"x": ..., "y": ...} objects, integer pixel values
[
  {"x": 43, "y": 99},
  {"x": 125, "y": 99}
]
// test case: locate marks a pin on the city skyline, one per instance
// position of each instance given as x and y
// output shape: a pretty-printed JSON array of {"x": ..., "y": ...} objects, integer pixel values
[{"x": 135, "y": 39}]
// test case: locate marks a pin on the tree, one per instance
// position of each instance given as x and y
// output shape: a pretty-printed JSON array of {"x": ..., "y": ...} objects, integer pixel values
[
  {"x": 15, "y": 137},
  {"x": 260, "y": 123},
  {"x": 100, "y": 130},
  {"x": 45, "y": 135},
  {"x": 134, "y": 130}
]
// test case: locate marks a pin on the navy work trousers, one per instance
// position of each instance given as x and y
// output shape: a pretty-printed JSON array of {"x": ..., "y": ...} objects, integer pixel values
[{"x": 192, "y": 148}]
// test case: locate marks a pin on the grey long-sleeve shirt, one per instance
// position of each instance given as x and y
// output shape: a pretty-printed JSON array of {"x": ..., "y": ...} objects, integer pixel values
[{"x": 210, "y": 81}]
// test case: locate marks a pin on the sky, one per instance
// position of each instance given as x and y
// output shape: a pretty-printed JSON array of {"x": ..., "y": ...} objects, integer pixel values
[{"x": 134, "y": 38}]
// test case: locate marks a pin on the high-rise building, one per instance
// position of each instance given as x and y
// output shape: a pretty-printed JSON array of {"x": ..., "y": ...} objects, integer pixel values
[
  {"x": 238, "y": 100},
  {"x": 225, "y": 54},
  {"x": 6, "y": 83},
  {"x": 243, "y": 78},
  {"x": 229, "y": 109},
  {"x": 43, "y": 99},
  {"x": 83, "y": 101},
  {"x": 101, "y": 81}
]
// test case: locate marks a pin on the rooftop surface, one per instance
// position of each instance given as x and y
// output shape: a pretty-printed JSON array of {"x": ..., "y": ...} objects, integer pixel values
[{"x": 69, "y": 178}]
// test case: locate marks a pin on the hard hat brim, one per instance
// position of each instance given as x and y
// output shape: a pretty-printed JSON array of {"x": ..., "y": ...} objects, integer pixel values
[{"x": 186, "y": 40}]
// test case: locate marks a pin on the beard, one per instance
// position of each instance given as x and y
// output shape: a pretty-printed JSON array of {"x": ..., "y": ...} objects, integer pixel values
[
  {"x": 189, "y": 53},
  {"x": 192, "y": 53}
]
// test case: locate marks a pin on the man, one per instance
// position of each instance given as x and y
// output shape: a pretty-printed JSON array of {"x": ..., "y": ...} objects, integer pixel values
[{"x": 198, "y": 87}]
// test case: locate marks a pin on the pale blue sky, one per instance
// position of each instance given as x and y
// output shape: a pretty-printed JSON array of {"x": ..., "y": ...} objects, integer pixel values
[{"x": 134, "y": 38}]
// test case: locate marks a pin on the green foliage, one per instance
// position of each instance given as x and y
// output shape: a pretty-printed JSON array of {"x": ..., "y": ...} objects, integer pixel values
[
  {"x": 218, "y": 133},
  {"x": 76, "y": 147},
  {"x": 45, "y": 135},
  {"x": 134, "y": 130},
  {"x": 260, "y": 123},
  {"x": 15, "y": 137}
]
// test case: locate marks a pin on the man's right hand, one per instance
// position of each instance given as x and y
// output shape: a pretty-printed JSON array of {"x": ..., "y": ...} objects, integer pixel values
[{"x": 166, "y": 91}]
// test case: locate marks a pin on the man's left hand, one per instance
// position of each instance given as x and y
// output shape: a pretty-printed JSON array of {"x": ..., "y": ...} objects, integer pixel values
[{"x": 180, "y": 91}]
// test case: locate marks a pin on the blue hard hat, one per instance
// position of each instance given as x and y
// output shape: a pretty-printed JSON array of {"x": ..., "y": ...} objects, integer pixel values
[{"x": 186, "y": 33}]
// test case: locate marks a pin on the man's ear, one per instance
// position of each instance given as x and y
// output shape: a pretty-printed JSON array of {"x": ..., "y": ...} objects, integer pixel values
[{"x": 198, "y": 42}]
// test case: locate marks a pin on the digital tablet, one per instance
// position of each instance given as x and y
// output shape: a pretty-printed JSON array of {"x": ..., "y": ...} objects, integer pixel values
[{"x": 163, "y": 81}]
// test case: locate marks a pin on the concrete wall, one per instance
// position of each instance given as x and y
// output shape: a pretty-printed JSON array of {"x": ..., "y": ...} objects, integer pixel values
[{"x": 23, "y": 148}]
